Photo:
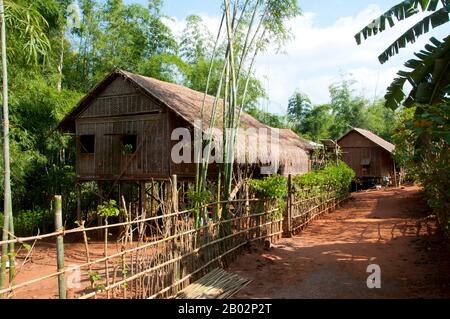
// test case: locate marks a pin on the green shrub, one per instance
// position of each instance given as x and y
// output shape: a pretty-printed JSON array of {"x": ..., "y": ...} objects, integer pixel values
[
  {"x": 108, "y": 209},
  {"x": 273, "y": 188},
  {"x": 333, "y": 177},
  {"x": 28, "y": 223}
]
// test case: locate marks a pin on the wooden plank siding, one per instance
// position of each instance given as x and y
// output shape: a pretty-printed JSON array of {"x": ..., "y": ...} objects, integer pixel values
[
  {"x": 118, "y": 111},
  {"x": 356, "y": 149}
]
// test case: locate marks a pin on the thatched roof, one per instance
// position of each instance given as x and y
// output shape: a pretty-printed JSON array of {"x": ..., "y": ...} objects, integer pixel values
[
  {"x": 187, "y": 104},
  {"x": 374, "y": 138},
  {"x": 297, "y": 140}
]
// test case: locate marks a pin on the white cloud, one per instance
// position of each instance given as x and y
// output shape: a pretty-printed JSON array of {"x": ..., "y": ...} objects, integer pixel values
[
  {"x": 320, "y": 54},
  {"x": 177, "y": 26}
]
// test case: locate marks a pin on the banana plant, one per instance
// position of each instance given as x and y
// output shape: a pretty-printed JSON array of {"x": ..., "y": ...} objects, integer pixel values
[
  {"x": 402, "y": 11},
  {"x": 429, "y": 75}
]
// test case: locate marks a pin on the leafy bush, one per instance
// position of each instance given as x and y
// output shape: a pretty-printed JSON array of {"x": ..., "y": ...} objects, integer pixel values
[
  {"x": 272, "y": 188},
  {"x": 422, "y": 141},
  {"x": 108, "y": 209},
  {"x": 332, "y": 177},
  {"x": 28, "y": 223}
]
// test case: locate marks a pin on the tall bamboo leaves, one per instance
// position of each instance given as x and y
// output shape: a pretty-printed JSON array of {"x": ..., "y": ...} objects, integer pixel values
[
  {"x": 250, "y": 27},
  {"x": 29, "y": 26},
  {"x": 7, "y": 202}
]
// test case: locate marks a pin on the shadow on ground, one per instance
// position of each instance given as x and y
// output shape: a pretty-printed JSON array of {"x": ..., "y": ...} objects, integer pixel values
[{"x": 329, "y": 259}]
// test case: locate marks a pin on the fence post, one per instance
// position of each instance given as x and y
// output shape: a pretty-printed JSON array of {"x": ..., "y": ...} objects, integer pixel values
[
  {"x": 174, "y": 209},
  {"x": 60, "y": 247},
  {"x": 287, "y": 218}
]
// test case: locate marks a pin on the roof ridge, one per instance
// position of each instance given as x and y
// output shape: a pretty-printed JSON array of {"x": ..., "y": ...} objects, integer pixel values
[{"x": 388, "y": 146}]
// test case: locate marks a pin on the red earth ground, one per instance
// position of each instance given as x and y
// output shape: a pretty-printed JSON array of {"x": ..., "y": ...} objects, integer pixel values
[
  {"x": 329, "y": 258},
  {"x": 43, "y": 263}
]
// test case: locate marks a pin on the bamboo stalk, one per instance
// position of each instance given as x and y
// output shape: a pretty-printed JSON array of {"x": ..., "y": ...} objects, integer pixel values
[
  {"x": 88, "y": 256},
  {"x": 60, "y": 248},
  {"x": 12, "y": 251},
  {"x": 105, "y": 251},
  {"x": 7, "y": 202}
]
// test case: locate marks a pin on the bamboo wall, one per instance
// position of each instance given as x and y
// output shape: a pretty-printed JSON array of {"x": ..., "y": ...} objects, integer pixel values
[{"x": 118, "y": 111}]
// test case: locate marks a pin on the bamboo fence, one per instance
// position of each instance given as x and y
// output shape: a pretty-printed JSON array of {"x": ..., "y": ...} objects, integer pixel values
[{"x": 161, "y": 255}]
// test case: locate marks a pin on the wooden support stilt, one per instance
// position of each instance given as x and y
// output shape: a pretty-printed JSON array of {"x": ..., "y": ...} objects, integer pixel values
[
  {"x": 78, "y": 190},
  {"x": 99, "y": 218},
  {"x": 174, "y": 193},
  {"x": 142, "y": 208},
  {"x": 119, "y": 201},
  {"x": 174, "y": 209}
]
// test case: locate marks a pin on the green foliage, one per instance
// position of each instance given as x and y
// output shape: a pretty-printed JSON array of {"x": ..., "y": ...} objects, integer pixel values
[
  {"x": 267, "y": 118},
  {"x": 42, "y": 160},
  {"x": 28, "y": 223},
  {"x": 315, "y": 123},
  {"x": 114, "y": 34},
  {"x": 127, "y": 149},
  {"x": 273, "y": 188},
  {"x": 345, "y": 110},
  {"x": 299, "y": 106},
  {"x": 401, "y": 11},
  {"x": 94, "y": 278},
  {"x": 422, "y": 134},
  {"x": 27, "y": 27},
  {"x": 423, "y": 147},
  {"x": 196, "y": 42},
  {"x": 111, "y": 33},
  {"x": 279, "y": 12},
  {"x": 198, "y": 197},
  {"x": 108, "y": 209},
  {"x": 331, "y": 176},
  {"x": 428, "y": 75},
  {"x": 348, "y": 110}
]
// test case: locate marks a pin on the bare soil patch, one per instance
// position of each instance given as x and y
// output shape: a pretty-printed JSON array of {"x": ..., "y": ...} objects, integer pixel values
[{"x": 329, "y": 258}]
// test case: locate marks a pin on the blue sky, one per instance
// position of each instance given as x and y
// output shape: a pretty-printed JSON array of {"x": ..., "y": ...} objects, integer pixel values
[
  {"x": 323, "y": 49},
  {"x": 331, "y": 9}
]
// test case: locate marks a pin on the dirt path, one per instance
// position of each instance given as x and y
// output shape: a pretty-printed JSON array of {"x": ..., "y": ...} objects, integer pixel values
[{"x": 329, "y": 259}]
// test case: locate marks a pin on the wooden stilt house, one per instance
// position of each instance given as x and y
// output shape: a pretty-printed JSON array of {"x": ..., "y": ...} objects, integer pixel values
[{"x": 123, "y": 129}]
